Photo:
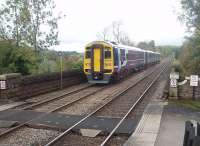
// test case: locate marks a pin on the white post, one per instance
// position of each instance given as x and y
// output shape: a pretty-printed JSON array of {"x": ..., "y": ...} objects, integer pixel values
[{"x": 174, "y": 76}]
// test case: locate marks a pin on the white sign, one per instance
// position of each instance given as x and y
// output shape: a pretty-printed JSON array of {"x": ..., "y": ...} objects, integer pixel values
[
  {"x": 3, "y": 85},
  {"x": 194, "y": 80},
  {"x": 174, "y": 75},
  {"x": 173, "y": 83}
]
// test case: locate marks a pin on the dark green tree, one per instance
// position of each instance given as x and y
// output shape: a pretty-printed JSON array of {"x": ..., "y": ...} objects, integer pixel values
[
  {"x": 190, "y": 55},
  {"x": 147, "y": 45}
]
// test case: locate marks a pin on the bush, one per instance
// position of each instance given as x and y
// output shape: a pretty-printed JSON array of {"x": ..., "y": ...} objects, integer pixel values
[
  {"x": 26, "y": 61},
  {"x": 78, "y": 65},
  {"x": 20, "y": 60}
]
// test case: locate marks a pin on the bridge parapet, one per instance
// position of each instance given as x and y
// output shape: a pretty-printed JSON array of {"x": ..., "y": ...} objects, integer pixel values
[
  {"x": 15, "y": 86},
  {"x": 9, "y": 85}
]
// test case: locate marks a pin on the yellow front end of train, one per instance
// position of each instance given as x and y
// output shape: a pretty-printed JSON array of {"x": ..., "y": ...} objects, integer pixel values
[{"x": 98, "y": 62}]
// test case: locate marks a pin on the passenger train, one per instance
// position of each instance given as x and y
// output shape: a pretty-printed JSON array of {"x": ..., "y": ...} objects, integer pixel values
[{"x": 108, "y": 61}]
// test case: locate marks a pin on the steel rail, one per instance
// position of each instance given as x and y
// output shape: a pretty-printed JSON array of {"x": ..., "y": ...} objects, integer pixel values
[
  {"x": 51, "y": 111},
  {"x": 132, "y": 107},
  {"x": 115, "y": 95},
  {"x": 57, "y": 97}
]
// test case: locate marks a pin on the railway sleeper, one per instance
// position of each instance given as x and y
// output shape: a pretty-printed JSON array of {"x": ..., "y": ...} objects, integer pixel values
[{"x": 56, "y": 121}]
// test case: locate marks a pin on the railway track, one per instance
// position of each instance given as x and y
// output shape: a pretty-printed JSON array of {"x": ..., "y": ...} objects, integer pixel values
[
  {"x": 131, "y": 109},
  {"x": 112, "y": 97},
  {"x": 48, "y": 97},
  {"x": 69, "y": 98},
  {"x": 52, "y": 110},
  {"x": 119, "y": 106},
  {"x": 93, "y": 113},
  {"x": 46, "y": 100}
]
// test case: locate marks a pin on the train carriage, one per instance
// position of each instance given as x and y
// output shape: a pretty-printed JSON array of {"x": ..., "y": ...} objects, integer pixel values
[{"x": 106, "y": 61}]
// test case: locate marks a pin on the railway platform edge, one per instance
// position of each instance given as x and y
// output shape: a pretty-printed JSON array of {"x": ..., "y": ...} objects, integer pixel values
[{"x": 148, "y": 127}]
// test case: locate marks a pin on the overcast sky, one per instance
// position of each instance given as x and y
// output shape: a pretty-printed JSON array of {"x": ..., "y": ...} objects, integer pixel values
[{"x": 142, "y": 20}]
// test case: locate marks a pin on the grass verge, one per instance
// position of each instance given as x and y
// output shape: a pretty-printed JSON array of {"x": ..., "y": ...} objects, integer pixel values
[{"x": 188, "y": 103}]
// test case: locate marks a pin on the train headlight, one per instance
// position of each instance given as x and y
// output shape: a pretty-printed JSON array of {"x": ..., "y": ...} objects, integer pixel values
[{"x": 88, "y": 70}]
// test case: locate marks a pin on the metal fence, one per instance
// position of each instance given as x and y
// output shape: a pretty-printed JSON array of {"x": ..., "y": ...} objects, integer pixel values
[{"x": 192, "y": 134}]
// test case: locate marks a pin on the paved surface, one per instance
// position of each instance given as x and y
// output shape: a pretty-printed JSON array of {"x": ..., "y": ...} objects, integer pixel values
[
  {"x": 162, "y": 125},
  {"x": 172, "y": 126},
  {"x": 148, "y": 127},
  {"x": 10, "y": 105}
]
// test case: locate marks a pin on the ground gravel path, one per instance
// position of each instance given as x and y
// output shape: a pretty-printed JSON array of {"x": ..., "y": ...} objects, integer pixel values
[{"x": 28, "y": 137}]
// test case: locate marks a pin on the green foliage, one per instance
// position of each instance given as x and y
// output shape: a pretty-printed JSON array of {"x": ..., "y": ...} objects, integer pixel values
[
  {"x": 187, "y": 103},
  {"x": 26, "y": 61},
  {"x": 191, "y": 14},
  {"x": 147, "y": 45},
  {"x": 73, "y": 61},
  {"x": 78, "y": 65},
  {"x": 190, "y": 55},
  {"x": 169, "y": 51},
  {"x": 50, "y": 61},
  {"x": 22, "y": 60},
  {"x": 177, "y": 66},
  {"x": 24, "y": 21}
]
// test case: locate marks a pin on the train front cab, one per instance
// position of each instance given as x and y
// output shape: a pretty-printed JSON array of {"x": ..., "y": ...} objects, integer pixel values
[{"x": 98, "y": 62}]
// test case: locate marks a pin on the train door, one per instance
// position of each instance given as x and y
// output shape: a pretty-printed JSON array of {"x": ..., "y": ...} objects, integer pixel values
[
  {"x": 97, "y": 62},
  {"x": 97, "y": 59}
]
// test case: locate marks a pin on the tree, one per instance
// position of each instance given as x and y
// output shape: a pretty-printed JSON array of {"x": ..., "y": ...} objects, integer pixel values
[
  {"x": 191, "y": 14},
  {"x": 22, "y": 60},
  {"x": 152, "y": 45},
  {"x": 31, "y": 22},
  {"x": 147, "y": 45},
  {"x": 105, "y": 34},
  {"x": 42, "y": 15},
  {"x": 116, "y": 31},
  {"x": 190, "y": 54},
  {"x": 167, "y": 51},
  {"x": 10, "y": 20},
  {"x": 125, "y": 40},
  {"x": 143, "y": 45}
]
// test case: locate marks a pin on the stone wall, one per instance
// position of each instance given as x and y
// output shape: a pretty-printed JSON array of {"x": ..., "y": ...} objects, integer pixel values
[
  {"x": 185, "y": 91},
  {"x": 23, "y": 87}
]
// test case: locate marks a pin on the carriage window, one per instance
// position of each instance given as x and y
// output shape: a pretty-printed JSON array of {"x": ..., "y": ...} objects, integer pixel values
[
  {"x": 107, "y": 53},
  {"x": 116, "y": 61}
]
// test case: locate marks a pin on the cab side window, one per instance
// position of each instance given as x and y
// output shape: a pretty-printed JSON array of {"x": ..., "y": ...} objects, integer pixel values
[
  {"x": 107, "y": 53},
  {"x": 88, "y": 53}
]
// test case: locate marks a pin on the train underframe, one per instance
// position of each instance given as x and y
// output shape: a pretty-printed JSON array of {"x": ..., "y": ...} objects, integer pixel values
[{"x": 101, "y": 78}]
